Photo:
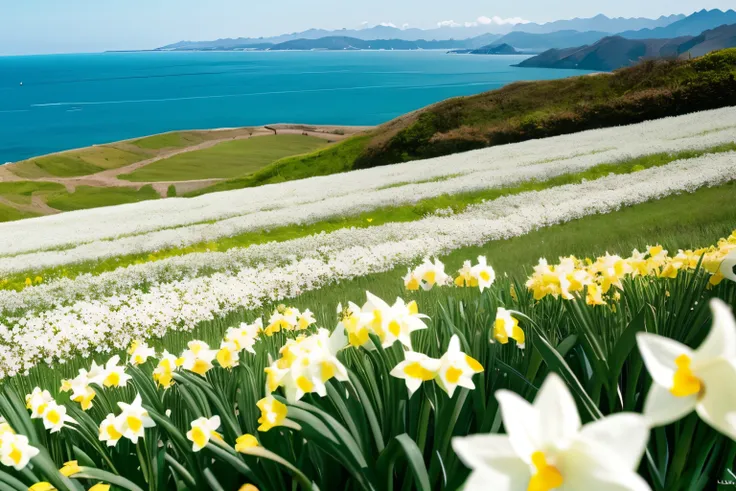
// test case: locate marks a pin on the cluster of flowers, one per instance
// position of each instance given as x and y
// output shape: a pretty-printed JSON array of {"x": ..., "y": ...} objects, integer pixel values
[
  {"x": 150, "y": 226},
  {"x": 92, "y": 325},
  {"x": 598, "y": 277},
  {"x": 545, "y": 441}
]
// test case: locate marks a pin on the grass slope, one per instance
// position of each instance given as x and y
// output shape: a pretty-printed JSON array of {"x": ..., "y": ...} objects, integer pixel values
[
  {"x": 331, "y": 160},
  {"x": 523, "y": 111},
  {"x": 405, "y": 213},
  {"x": 78, "y": 162},
  {"x": 85, "y": 197},
  {"x": 227, "y": 159}
]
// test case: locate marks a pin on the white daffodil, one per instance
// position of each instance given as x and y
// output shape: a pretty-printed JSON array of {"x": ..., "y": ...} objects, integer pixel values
[
  {"x": 163, "y": 374},
  {"x": 728, "y": 266},
  {"x": 465, "y": 276},
  {"x": 307, "y": 363},
  {"x": 456, "y": 368},
  {"x": 507, "y": 327},
  {"x": 426, "y": 275},
  {"x": 305, "y": 319},
  {"x": 245, "y": 336},
  {"x": 140, "y": 352},
  {"x": 283, "y": 318},
  {"x": 546, "y": 448},
  {"x": 350, "y": 321},
  {"x": 685, "y": 379},
  {"x": 55, "y": 417},
  {"x": 202, "y": 430},
  {"x": 228, "y": 355},
  {"x": 96, "y": 375},
  {"x": 198, "y": 358},
  {"x": 391, "y": 323},
  {"x": 109, "y": 432},
  {"x": 133, "y": 420},
  {"x": 115, "y": 375},
  {"x": 15, "y": 451},
  {"x": 38, "y": 401},
  {"x": 415, "y": 369},
  {"x": 483, "y": 273},
  {"x": 82, "y": 392}
]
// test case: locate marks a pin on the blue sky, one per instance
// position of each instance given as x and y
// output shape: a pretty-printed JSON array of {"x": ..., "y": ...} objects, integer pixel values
[{"x": 53, "y": 26}]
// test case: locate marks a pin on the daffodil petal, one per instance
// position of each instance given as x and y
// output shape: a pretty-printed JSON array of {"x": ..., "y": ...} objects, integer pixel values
[
  {"x": 625, "y": 433},
  {"x": 662, "y": 408},
  {"x": 721, "y": 340},
  {"x": 593, "y": 467},
  {"x": 659, "y": 354},
  {"x": 559, "y": 414},
  {"x": 718, "y": 403},
  {"x": 494, "y": 461},
  {"x": 522, "y": 422}
]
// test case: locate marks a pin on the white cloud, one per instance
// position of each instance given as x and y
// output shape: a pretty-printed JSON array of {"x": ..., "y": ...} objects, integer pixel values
[
  {"x": 364, "y": 23},
  {"x": 387, "y": 24},
  {"x": 448, "y": 23},
  {"x": 499, "y": 21},
  {"x": 404, "y": 26}
]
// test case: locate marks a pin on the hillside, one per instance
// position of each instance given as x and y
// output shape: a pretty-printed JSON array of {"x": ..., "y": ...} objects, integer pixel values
[
  {"x": 491, "y": 49},
  {"x": 558, "y": 39},
  {"x": 615, "y": 52},
  {"x": 522, "y": 111},
  {"x": 334, "y": 43}
]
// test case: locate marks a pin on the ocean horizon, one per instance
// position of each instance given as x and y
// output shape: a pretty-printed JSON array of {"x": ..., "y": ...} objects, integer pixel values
[{"x": 51, "y": 103}]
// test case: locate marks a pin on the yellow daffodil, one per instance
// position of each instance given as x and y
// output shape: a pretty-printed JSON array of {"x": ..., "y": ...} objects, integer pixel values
[
  {"x": 115, "y": 375},
  {"x": 594, "y": 296},
  {"x": 273, "y": 413},
  {"x": 70, "y": 468},
  {"x": 38, "y": 401},
  {"x": 247, "y": 487},
  {"x": 245, "y": 336},
  {"x": 228, "y": 355},
  {"x": 109, "y": 432},
  {"x": 133, "y": 420},
  {"x": 415, "y": 369},
  {"x": 55, "y": 417},
  {"x": 350, "y": 321},
  {"x": 139, "y": 352},
  {"x": 15, "y": 451},
  {"x": 412, "y": 280},
  {"x": 465, "y": 276},
  {"x": 611, "y": 270},
  {"x": 456, "y": 368},
  {"x": 305, "y": 319},
  {"x": 245, "y": 442},
  {"x": 101, "y": 486},
  {"x": 283, "y": 318},
  {"x": 163, "y": 374},
  {"x": 198, "y": 358},
  {"x": 42, "y": 486},
  {"x": 202, "y": 430},
  {"x": 391, "y": 323},
  {"x": 483, "y": 273},
  {"x": 507, "y": 327}
]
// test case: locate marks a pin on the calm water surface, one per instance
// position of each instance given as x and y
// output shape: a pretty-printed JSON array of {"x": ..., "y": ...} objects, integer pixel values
[{"x": 70, "y": 101}]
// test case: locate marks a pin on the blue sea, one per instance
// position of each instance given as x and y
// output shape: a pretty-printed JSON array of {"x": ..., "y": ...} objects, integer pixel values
[{"x": 71, "y": 101}]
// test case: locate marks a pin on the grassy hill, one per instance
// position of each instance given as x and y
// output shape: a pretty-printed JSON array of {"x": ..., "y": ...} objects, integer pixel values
[{"x": 522, "y": 111}]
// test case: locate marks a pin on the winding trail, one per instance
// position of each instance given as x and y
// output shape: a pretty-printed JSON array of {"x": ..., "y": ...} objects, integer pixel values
[{"x": 110, "y": 177}]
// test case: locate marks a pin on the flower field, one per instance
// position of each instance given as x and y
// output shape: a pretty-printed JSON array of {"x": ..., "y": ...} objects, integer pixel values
[{"x": 197, "y": 371}]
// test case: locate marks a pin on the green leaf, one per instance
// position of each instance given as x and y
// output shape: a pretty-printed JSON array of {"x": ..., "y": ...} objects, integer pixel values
[
  {"x": 108, "y": 477},
  {"x": 404, "y": 446}
]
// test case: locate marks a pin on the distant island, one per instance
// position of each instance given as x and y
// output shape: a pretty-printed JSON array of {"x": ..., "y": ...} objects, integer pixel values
[{"x": 499, "y": 49}]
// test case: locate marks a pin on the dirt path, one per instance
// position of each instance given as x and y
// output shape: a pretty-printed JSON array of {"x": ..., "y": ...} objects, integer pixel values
[{"x": 110, "y": 178}]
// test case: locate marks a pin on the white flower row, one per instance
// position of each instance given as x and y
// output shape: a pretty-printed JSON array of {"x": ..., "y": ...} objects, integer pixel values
[
  {"x": 320, "y": 197},
  {"x": 354, "y": 203},
  {"x": 101, "y": 325}
]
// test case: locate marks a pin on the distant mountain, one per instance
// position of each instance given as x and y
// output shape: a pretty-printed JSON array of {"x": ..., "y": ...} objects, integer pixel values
[
  {"x": 599, "y": 23},
  {"x": 615, "y": 52},
  {"x": 559, "y": 39},
  {"x": 692, "y": 25},
  {"x": 333, "y": 43}
]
